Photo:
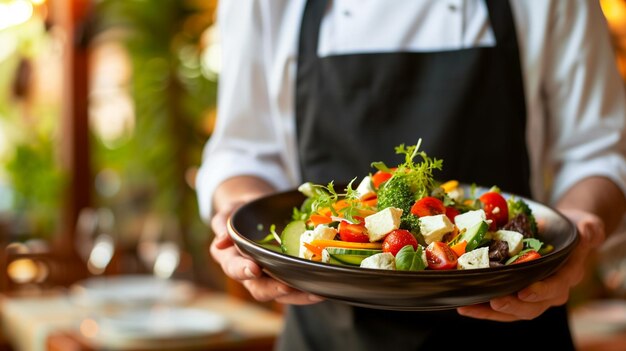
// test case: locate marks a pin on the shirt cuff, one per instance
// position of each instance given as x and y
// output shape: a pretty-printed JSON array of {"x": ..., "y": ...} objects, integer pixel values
[{"x": 220, "y": 167}]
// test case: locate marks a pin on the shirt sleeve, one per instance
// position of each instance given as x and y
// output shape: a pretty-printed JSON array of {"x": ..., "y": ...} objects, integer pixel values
[
  {"x": 586, "y": 100},
  {"x": 244, "y": 141}
]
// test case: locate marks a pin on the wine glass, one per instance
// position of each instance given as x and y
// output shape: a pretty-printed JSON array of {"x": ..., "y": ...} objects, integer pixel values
[
  {"x": 94, "y": 239},
  {"x": 159, "y": 245}
]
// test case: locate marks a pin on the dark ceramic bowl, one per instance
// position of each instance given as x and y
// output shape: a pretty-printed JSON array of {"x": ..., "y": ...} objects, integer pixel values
[{"x": 394, "y": 290}]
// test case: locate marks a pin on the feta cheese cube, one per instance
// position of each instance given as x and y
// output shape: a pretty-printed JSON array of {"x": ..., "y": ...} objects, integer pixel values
[
  {"x": 433, "y": 228},
  {"x": 384, "y": 260},
  {"x": 469, "y": 219},
  {"x": 382, "y": 222},
  {"x": 365, "y": 187},
  {"x": 477, "y": 258},
  {"x": 512, "y": 238},
  {"x": 320, "y": 232}
]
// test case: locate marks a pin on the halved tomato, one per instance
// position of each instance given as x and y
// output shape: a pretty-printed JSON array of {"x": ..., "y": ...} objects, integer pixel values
[
  {"x": 428, "y": 206},
  {"x": 440, "y": 256},
  {"x": 380, "y": 177},
  {"x": 355, "y": 233}
]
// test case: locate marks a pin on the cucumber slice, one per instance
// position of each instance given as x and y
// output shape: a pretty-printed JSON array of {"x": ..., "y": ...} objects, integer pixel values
[
  {"x": 290, "y": 237},
  {"x": 272, "y": 247},
  {"x": 474, "y": 235},
  {"x": 352, "y": 257},
  {"x": 352, "y": 260}
]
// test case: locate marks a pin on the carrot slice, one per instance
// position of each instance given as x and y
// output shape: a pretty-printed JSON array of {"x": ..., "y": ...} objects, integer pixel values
[
  {"x": 341, "y": 204},
  {"x": 459, "y": 248},
  {"x": 317, "y": 251},
  {"x": 319, "y": 219},
  {"x": 345, "y": 244}
]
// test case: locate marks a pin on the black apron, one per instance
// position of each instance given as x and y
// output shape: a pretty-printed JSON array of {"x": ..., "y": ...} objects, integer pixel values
[{"x": 468, "y": 107}]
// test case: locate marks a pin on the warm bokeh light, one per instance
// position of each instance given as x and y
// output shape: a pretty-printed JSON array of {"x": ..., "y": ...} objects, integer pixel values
[
  {"x": 167, "y": 260},
  {"x": 22, "y": 270},
  {"x": 15, "y": 12},
  {"x": 614, "y": 11},
  {"x": 89, "y": 328}
]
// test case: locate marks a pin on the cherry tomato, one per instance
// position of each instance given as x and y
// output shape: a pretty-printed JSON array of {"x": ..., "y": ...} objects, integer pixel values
[
  {"x": 451, "y": 212},
  {"x": 351, "y": 232},
  {"x": 440, "y": 256},
  {"x": 380, "y": 177},
  {"x": 527, "y": 256},
  {"x": 428, "y": 206},
  {"x": 398, "y": 239},
  {"x": 495, "y": 208}
]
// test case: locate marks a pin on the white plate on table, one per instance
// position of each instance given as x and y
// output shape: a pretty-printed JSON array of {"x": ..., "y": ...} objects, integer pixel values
[
  {"x": 158, "y": 328},
  {"x": 130, "y": 290}
]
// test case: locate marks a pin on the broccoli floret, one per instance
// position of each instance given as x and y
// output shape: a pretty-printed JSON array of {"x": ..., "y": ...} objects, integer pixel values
[
  {"x": 411, "y": 223},
  {"x": 397, "y": 193},
  {"x": 520, "y": 207}
]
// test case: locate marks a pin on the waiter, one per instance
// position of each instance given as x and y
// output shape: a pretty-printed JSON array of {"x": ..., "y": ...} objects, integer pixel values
[{"x": 505, "y": 94}]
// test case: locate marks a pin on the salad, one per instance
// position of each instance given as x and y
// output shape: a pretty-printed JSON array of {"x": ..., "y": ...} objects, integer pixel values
[{"x": 402, "y": 218}]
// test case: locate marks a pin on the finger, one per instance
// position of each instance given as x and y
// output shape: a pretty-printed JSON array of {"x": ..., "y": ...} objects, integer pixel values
[
  {"x": 484, "y": 311},
  {"x": 234, "y": 265},
  {"x": 268, "y": 289},
  {"x": 508, "y": 309},
  {"x": 522, "y": 310},
  {"x": 590, "y": 227},
  {"x": 218, "y": 224},
  {"x": 222, "y": 242},
  {"x": 558, "y": 285},
  {"x": 220, "y": 219}
]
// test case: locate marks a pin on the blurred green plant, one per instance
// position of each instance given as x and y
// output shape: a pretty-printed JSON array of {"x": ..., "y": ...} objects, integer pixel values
[
  {"x": 30, "y": 172},
  {"x": 37, "y": 182},
  {"x": 172, "y": 99}
]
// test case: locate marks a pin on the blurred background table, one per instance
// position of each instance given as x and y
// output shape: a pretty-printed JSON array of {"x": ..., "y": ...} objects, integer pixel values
[{"x": 53, "y": 322}]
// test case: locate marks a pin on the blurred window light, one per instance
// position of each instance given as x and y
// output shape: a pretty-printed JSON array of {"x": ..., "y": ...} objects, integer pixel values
[
  {"x": 111, "y": 108},
  {"x": 101, "y": 254},
  {"x": 15, "y": 12},
  {"x": 167, "y": 260},
  {"x": 211, "y": 61}
]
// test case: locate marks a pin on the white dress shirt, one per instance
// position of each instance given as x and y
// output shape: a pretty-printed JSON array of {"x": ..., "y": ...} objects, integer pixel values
[{"x": 576, "y": 102}]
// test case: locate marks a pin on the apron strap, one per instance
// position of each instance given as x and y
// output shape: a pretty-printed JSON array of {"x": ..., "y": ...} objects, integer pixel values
[
  {"x": 502, "y": 22},
  {"x": 311, "y": 23}
]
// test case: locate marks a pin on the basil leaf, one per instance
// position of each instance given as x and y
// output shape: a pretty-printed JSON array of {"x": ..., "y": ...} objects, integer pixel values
[
  {"x": 532, "y": 243},
  {"x": 408, "y": 259}
]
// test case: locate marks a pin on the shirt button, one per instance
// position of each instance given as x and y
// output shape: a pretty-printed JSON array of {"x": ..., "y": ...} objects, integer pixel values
[{"x": 452, "y": 7}]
